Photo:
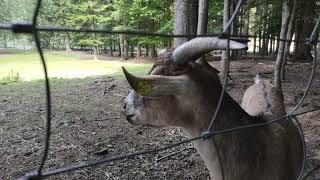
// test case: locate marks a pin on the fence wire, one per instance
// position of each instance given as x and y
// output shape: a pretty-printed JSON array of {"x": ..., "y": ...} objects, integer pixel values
[{"x": 34, "y": 29}]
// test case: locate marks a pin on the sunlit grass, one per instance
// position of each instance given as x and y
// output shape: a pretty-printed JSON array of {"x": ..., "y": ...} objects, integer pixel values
[
  {"x": 63, "y": 65},
  {"x": 10, "y": 78}
]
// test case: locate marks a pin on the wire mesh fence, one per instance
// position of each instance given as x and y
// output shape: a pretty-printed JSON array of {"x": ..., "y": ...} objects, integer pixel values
[{"x": 33, "y": 29}]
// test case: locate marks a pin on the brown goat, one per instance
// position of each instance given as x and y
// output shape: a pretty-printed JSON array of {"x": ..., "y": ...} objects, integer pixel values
[{"x": 178, "y": 92}]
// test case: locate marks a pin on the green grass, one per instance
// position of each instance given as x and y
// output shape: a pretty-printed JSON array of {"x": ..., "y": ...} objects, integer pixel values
[
  {"x": 10, "y": 78},
  {"x": 26, "y": 66}
]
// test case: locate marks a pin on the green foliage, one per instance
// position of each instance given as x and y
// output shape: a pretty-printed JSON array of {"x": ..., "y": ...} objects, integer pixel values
[
  {"x": 92, "y": 14},
  {"x": 10, "y": 78},
  {"x": 131, "y": 15},
  {"x": 144, "y": 15},
  {"x": 16, "y": 11},
  {"x": 215, "y": 23},
  {"x": 13, "y": 12}
]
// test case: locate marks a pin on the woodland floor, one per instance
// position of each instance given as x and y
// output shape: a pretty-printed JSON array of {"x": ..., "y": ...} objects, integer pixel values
[{"x": 88, "y": 124}]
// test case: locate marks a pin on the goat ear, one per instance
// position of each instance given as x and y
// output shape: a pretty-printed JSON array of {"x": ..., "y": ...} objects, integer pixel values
[
  {"x": 157, "y": 85},
  {"x": 205, "y": 64}
]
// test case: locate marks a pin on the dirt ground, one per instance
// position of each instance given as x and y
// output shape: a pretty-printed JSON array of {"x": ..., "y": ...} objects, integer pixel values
[{"x": 88, "y": 124}]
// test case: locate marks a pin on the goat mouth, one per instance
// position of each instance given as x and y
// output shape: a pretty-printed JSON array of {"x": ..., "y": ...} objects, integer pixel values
[{"x": 129, "y": 119}]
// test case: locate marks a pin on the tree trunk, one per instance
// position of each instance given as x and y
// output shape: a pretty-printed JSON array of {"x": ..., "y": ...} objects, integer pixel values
[
  {"x": 235, "y": 22},
  {"x": 53, "y": 41},
  {"x": 246, "y": 27},
  {"x": 153, "y": 52},
  {"x": 119, "y": 49},
  {"x": 14, "y": 42},
  {"x": 254, "y": 44},
  {"x": 241, "y": 23},
  {"x": 50, "y": 44},
  {"x": 202, "y": 19},
  {"x": 104, "y": 48},
  {"x": 125, "y": 53},
  {"x": 95, "y": 48},
  {"x": 131, "y": 51},
  {"x": 297, "y": 38},
  {"x": 306, "y": 24},
  {"x": 271, "y": 44},
  {"x": 5, "y": 41},
  {"x": 95, "y": 52},
  {"x": 99, "y": 49},
  {"x": 289, "y": 38},
  {"x": 268, "y": 40},
  {"x": 193, "y": 17},
  {"x": 120, "y": 46},
  {"x": 139, "y": 50},
  {"x": 278, "y": 45},
  {"x": 224, "y": 55},
  {"x": 234, "y": 26},
  {"x": 283, "y": 34},
  {"x": 147, "y": 50},
  {"x": 264, "y": 44},
  {"x": 265, "y": 33},
  {"x": 111, "y": 48},
  {"x": 181, "y": 21},
  {"x": 259, "y": 44}
]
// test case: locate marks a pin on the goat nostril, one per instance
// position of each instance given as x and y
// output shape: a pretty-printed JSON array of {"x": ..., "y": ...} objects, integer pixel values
[
  {"x": 124, "y": 106},
  {"x": 128, "y": 117}
]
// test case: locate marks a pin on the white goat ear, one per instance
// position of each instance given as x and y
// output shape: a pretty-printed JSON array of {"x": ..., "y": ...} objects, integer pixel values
[{"x": 157, "y": 85}]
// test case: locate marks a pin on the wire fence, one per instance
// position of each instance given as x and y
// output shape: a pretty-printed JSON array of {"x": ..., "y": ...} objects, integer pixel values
[{"x": 34, "y": 30}]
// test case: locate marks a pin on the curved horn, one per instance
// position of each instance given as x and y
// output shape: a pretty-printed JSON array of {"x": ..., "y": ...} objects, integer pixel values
[
  {"x": 195, "y": 48},
  {"x": 156, "y": 85}
]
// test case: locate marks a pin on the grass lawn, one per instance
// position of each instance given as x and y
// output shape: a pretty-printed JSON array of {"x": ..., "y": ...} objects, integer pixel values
[{"x": 26, "y": 66}]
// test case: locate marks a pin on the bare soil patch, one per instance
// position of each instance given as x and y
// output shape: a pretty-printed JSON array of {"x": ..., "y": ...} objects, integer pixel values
[{"x": 88, "y": 124}]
